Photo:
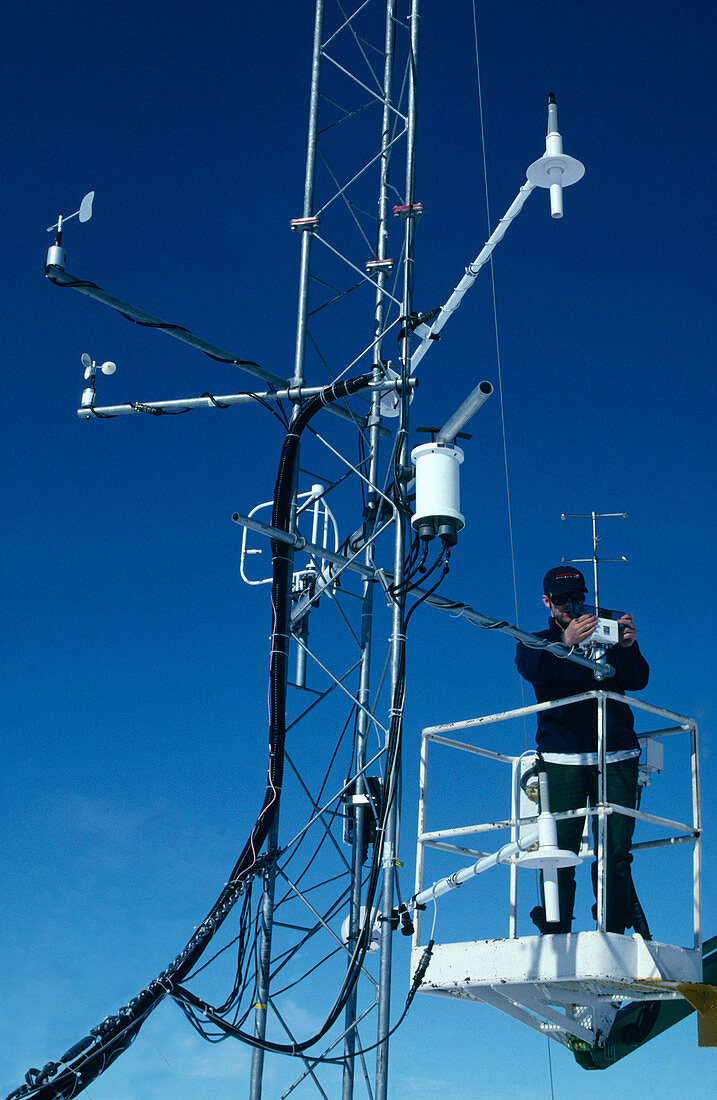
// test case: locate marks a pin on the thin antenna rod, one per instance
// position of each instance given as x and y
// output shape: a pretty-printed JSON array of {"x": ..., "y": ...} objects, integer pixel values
[
  {"x": 555, "y": 170},
  {"x": 307, "y": 233},
  {"x": 595, "y": 559}
]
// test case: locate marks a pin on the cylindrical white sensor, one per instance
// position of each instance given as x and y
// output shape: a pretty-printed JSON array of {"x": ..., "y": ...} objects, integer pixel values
[{"x": 438, "y": 495}]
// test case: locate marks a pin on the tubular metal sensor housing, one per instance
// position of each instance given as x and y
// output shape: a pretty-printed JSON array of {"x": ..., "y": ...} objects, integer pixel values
[
  {"x": 56, "y": 255},
  {"x": 555, "y": 169},
  {"x": 464, "y": 412}
]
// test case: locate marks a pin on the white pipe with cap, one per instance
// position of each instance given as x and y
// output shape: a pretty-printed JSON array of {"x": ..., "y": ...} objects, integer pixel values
[{"x": 555, "y": 169}]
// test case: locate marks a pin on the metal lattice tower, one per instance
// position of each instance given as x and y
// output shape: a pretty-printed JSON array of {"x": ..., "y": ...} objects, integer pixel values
[
  {"x": 352, "y": 297},
  {"x": 327, "y": 867}
]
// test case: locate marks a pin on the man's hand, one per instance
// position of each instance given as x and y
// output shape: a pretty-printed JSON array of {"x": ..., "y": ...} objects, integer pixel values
[
  {"x": 628, "y": 631},
  {"x": 579, "y": 629}
]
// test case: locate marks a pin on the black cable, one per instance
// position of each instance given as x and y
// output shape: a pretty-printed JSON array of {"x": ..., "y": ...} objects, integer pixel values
[
  {"x": 155, "y": 410},
  {"x": 431, "y": 590},
  {"x": 415, "y": 984},
  {"x": 352, "y": 714},
  {"x": 283, "y": 960},
  {"x": 278, "y": 412},
  {"x": 231, "y": 943},
  {"x": 356, "y": 961},
  {"x": 75, "y": 284},
  {"x": 408, "y": 587},
  {"x": 278, "y": 992},
  {"x": 136, "y": 321},
  {"x": 412, "y": 569},
  {"x": 352, "y": 973},
  {"x": 395, "y": 734},
  {"x": 115, "y": 1034}
]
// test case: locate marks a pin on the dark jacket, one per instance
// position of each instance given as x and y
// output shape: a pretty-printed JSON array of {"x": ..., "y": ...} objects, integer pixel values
[{"x": 574, "y": 728}]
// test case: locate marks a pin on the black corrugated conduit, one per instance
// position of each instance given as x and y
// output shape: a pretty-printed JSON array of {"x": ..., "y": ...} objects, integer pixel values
[{"x": 88, "y": 1058}]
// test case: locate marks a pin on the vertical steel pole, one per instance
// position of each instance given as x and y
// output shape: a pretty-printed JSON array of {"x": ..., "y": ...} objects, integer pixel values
[
  {"x": 420, "y": 848},
  {"x": 398, "y": 639},
  {"x": 267, "y": 910},
  {"x": 309, "y": 179},
  {"x": 360, "y": 823},
  {"x": 601, "y": 898},
  {"x": 262, "y": 1000},
  {"x": 514, "y": 834},
  {"x": 363, "y": 723},
  {"x": 595, "y": 561},
  {"x": 697, "y": 850}
]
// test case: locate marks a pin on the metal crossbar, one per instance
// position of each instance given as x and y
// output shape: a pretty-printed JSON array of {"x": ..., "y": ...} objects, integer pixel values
[{"x": 683, "y": 832}]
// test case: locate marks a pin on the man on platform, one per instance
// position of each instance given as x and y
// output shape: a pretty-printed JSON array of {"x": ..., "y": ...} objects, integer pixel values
[{"x": 567, "y": 740}]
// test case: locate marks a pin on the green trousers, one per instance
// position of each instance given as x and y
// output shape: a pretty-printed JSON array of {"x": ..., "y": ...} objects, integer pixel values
[{"x": 569, "y": 788}]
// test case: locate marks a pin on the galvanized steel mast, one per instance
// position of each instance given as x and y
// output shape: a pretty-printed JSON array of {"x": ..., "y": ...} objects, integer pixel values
[
  {"x": 269, "y": 878},
  {"x": 398, "y": 636},
  {"x": 372, "y": 505},
  {"x": 394, "y": 126}
]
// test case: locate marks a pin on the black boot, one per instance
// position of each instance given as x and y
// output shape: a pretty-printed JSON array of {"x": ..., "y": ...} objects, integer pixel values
[{"x": 546, "y": 927}]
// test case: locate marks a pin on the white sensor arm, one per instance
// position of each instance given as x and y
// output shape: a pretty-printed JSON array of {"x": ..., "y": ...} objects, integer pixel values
[
  {"x": 503, "y": 855},
  {"x": 554, "y": 170},
  {"x": 429, "y": 334}
]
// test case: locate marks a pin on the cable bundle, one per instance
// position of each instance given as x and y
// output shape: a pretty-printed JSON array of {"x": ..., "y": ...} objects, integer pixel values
[{"x": 89, "y": 1058}]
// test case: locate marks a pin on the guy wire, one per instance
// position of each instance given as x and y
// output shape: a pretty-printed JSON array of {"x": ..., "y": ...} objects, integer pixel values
[
  {"x": 500, "y": 397},
  {"x": 497, "y": 346}
]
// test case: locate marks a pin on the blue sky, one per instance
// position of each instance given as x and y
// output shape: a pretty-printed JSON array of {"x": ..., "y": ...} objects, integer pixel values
[{"x": 135, "y": 667}]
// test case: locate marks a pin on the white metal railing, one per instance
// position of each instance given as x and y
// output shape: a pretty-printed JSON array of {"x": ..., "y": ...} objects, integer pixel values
[
  {"x": 680, "y": 832},
  {"x": 324, "y": 532}
]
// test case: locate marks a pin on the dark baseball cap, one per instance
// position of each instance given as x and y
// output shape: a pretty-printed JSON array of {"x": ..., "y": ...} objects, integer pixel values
[{"x": 563, "y": 578}]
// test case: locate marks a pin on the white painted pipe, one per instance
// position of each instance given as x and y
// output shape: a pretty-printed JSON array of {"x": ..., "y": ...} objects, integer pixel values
[
  {"x": 453, "y": 881},
  {"x": 471, "y": 272}
]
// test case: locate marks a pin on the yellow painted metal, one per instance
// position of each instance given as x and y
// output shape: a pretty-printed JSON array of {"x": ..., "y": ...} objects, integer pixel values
[{"x": 703, "y": 999}]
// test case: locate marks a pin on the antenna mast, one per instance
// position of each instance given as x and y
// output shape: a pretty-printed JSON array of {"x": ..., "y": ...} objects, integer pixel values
[
  {"x": 359, "y": 211},
  {"x": 356, "y": 55},
  {"x": 595, "y": 559}
]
